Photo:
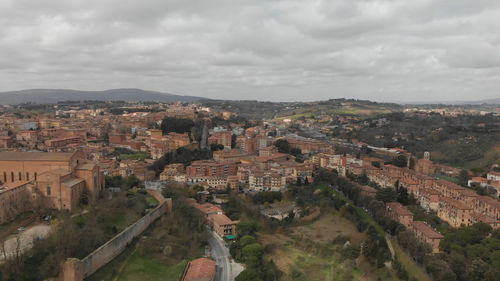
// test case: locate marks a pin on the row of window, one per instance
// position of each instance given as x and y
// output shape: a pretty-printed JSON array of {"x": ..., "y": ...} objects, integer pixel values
[{"x": 19, "y": 176}]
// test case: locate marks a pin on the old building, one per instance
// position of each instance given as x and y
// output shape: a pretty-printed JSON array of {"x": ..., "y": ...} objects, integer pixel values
[
  {"x": 426, "y": 234},
  {"x": 57, "y": 180},
  {"x": 222, "y": 138},
  {"x": 429, "y": 199},
  {"x": 454, "y": 212},
  {"x": 399, "y": 213},
  {"x": 222, "y": 225}
]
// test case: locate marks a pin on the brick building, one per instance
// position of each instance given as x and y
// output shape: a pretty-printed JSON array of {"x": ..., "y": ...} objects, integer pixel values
[
  {"x": 454, "y": 212},
  {"x": 426, "y": 234},
  {"x": 57, "y": 180},
  {"x": 221, "y": 137},
  {"x": 399, "y": 213}
]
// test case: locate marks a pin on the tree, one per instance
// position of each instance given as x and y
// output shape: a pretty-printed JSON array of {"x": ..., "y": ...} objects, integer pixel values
[
  {"x": 386, "y": 195},
  {"x": 323, "y": 175},
  {"x": 283, "y": 145},
  {"x": 478, "y": 269},
  {"x": 254, "y": 250},
  {"x": 247, "y": 240},
  {"x": 246, "y": 228},
  {"x": 177, "y": 125},
  {"x": 463, "y": 177},
  {"x": 400, "y": 161},
  {"x": 248, "y": 275},
  {"x": 403, "y": 196}
]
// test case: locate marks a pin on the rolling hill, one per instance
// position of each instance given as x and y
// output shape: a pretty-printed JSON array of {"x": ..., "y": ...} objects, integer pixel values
[{"x": 43, "y": 96}]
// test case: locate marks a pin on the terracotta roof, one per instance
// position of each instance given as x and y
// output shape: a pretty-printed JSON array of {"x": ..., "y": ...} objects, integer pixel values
[
  {"x": 426, "y": 230},
  {"x": 208, "y": 208},
  {"x": 430, "y": 191},
  {"x": 495, "y": 173},
  {"x": 221, "y": 219},
  {"x": 399, "y": 209},
  {"x": 201, "y": 269},
  {"x": 479, "y": 179},
  {"x": 456, "y": 204},
  {"x": 368, "y": 188},
  {"x": 489, "y": 200},
  {"x": 449, "y": 184},
  {"x": 35, "y": 156},
  {"x": 467, "y": 192},
  {"x": 485, "y": 219}
]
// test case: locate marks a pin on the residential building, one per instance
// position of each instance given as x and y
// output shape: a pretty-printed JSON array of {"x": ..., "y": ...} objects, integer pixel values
[{"x": 426, "y": 234}]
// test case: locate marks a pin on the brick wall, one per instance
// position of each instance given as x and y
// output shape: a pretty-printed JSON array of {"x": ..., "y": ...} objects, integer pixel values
[{"x": 77, "y": 270}]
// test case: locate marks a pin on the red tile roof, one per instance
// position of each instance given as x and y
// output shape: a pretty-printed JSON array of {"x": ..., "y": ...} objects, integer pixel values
[
  {"x": 201, "y": 269},
  {"x": 399, "y": 209},
  {"x": 426, "y": 230}
]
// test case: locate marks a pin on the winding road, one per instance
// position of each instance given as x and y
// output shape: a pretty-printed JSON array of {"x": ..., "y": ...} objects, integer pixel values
[{"x": 227, "y": 270}]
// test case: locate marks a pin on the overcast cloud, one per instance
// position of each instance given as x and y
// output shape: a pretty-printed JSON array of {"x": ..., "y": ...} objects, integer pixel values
[{"x": 385, "y": 50}]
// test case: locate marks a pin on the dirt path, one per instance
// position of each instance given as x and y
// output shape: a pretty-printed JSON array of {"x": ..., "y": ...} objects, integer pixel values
[{"x": 23, "y": 241}]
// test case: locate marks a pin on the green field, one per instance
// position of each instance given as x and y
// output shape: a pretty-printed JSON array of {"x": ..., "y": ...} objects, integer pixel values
[
  {"x": 130, "y": 265},
  {"x": 138, "y": 267}
]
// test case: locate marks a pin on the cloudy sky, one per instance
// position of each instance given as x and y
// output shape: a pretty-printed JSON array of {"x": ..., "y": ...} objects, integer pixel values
[{"x": 384, "y": 50}]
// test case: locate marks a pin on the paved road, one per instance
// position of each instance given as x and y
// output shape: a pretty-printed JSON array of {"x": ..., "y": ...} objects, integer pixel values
[{"x": 227, "y": 270}]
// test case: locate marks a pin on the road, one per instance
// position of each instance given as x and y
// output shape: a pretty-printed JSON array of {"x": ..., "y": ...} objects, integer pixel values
[{"x": 227, "y": 270}]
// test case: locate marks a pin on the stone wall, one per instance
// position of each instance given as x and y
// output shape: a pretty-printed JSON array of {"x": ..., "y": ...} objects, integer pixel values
[{"x": 76, "y": 270}]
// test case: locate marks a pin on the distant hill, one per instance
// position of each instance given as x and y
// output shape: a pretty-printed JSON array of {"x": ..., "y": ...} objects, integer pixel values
[
  {"x": 451, "y": 102},
  {"x": 43, "y": 96}
]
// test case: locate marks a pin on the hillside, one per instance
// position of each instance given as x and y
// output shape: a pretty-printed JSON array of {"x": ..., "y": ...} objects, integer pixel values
[{"x": 45, "y": 96}]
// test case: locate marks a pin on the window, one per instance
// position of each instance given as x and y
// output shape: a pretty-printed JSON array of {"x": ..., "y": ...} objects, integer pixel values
[
  {"x": 48, "y": 190},
  {"x": 4, "y": 177},
  {"x": 27, "y": 176},
  {"x": 19, "y": 174},
  {"x": 35, "y": 175},
  {"x": 12, "y": 176}
]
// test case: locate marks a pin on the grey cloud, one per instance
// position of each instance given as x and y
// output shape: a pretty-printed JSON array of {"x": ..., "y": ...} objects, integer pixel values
[{"x": 279, "y": 50}]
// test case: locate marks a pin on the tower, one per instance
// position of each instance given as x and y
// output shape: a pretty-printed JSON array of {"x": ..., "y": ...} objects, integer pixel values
[{"x": 427, "y": 155}]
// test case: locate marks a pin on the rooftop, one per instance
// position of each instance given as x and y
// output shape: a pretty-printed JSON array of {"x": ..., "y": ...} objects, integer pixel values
[
  {"x": 426, "y": 230},
  {"x": 202, "y": 269},
  {"x": 72, "y": 182},
  {"x": 399, "y": 209},
  {"x": 35, "y": 156},
  {"x": 454, "y": 203},
  {"x": 208, "y": 208},
  {"x": 221, "y": 219}
]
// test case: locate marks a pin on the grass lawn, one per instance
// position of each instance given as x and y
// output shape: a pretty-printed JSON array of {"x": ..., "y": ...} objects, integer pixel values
[
  {"x": 152, "y": 201},
  {"x": 130, "y": 265},
  {"x": 408, "y": 264},
  {"x": 450, "y": 179},
  {"x": 134, "y": 156},
  {"x": 122, "y": 221},
  {"x": 141, "y": 268}
]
